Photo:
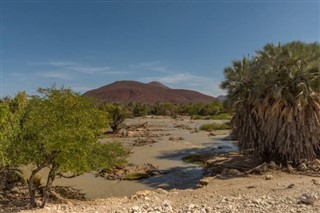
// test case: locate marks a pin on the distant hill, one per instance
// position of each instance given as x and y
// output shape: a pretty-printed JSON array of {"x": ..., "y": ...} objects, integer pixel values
[
  {"x": 221, "y": 97},
  {"x": 150, "y": 93}
]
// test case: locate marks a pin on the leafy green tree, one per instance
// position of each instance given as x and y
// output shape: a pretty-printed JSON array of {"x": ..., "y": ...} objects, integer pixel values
[
  {"x": 140, "y": 109},
  {"x": 116, "y": 114},
  {"x": 168, "y": 109},
  {"x": 11, "y": 116},
  {"x": 276, "y": 97},
  {"x": 61, "y": 132}
]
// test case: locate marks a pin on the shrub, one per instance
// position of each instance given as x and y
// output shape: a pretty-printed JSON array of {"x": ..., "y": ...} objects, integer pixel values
[{"x": 214, "y": 126}]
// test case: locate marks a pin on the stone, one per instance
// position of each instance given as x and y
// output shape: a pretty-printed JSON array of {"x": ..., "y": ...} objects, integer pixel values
[
  {"x": 234, "y": 172},
  {"x": 147, "y": 198},
  {"x": 302, "y": 167},
  {"x": 212, "y": 133},
  {"x": 269, "y": 177},
  {"x": 143, "y": 193},
  {"x": 273, "y": 165},
  {"x": 162, "y": 191},
  {"x": 315, "y": 182},
  {"x": 135, "y": 209},
  {"x": 289, "y": 168},
  {"x": 308, "y": 198},
  {"x": 224, "y": 172},
  {"x": 15, "y": 190},
  {"x": 191, "y": 206},
  {"x": 290, "y": 186},
  {"x": 204, "y": 181}
]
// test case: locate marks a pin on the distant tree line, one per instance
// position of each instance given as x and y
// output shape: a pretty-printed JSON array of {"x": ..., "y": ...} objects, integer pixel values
[
  {"x": 166, "y": 109},
  {"x": 118, "y": 112}
]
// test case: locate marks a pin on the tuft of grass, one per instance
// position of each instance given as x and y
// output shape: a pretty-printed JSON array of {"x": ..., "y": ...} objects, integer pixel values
[
  {"x": 195, "y": 159},
  {"x": 136, "y": 176},
  {"x": 222, "y": 116},
  {"x": 214, "y": 126}
]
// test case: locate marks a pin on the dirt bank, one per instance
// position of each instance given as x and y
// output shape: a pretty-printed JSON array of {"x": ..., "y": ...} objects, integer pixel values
[
  {"x": 274, "y": 191},
  {"x": 254, "y": 193}
]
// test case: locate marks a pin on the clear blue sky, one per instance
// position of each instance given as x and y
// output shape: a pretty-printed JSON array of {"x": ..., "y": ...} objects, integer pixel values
[{"x": 183, "y": 44}]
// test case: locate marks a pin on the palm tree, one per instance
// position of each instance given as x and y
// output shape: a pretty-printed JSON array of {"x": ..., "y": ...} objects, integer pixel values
[{"x": 276, "y": 97}]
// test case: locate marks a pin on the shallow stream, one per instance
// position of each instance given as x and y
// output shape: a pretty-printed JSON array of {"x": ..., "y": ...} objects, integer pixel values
[{"x": 165, "y": 154}]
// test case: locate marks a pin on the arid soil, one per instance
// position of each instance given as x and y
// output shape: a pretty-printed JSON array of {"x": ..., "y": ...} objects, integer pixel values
[
  {"x": 282, "y": 193},
  {"x": 273, "y": 190}
]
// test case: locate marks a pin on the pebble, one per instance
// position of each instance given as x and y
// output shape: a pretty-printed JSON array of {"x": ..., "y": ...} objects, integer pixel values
[
  {"x": 234, "y": 172},
  {"x": 269, "y": 177},
  {"x": 189, "y": 201},
  {"x": 309, "y": 198},
  {"x": 302, "y": 167}
]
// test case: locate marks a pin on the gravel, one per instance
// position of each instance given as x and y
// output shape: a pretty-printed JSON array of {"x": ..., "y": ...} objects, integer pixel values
[{"x": 267, "y": 196}]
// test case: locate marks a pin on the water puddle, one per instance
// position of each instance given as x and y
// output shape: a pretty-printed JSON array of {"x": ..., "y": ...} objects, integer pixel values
[
  {"x": 166, "y": 155},
  {"x": 175, "y": 173}
]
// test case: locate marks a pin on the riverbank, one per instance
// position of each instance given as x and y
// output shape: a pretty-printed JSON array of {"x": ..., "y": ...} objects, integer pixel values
[
  {"x": 255, "y": 193},
  {"x": 175, "y": 189},
  {"x": 168, "y": 140}
]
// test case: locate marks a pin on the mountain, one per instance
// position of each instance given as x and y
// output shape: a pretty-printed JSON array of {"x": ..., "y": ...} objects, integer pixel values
[
  {"x": 150, "y": 93},
  {"x": 221, "y": 97}
]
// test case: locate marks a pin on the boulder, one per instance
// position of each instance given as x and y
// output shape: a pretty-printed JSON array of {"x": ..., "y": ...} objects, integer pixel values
[{"x": 308, "y": 198}]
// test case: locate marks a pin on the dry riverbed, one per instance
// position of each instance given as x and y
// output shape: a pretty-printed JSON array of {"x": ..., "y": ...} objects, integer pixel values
[
  {"x": 254, "y": 193},
  {"x": 162, "y": 142}
]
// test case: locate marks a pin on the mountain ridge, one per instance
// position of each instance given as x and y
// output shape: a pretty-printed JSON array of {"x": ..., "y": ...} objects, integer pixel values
[{"x": 133, "y": 91}]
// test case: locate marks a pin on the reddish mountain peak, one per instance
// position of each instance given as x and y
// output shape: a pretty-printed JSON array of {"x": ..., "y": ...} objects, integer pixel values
[
  {"x": 158, "y": 84},
  {"x": 134, "y": 91}
]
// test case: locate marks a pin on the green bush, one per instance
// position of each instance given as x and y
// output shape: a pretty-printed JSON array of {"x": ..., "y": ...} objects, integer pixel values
[
  {"x": 195, "y": 159},
  {"x": 222, "y": 116},
  {"x": 136, "y": 176}
]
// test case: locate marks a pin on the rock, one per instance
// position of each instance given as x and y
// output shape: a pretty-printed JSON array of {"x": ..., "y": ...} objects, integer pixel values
[
  {"x": 308, "y": 198},
  {"x": 167, "y": 207},
  {"x": 290, "y": 186},
  {"x": 208, "y": 209},
  {"x": 147, "y": 198},
  {"x": 273, "y": 165},
  {"x": 224, "y": 172},
  {"x": 15, "y": 190},
  {"x": 212, "y": 133},
  {"x": 191, "y": 206},
  {"x": 302, "y": 167},
  {"x": 315, "y": 182},
  {"x": 135, "y": 209},
  {"x": 143, "y": 193},
  {"x": 204, "y": 181},
  {"x": 174, "y": 138},
  {"x": 269, "y": 177},
  {"x": 234, "y": 172},
  {"x": 162, "y": 191},
  {"x": 131, "y": 134},
  {"x": 289, "y": 168}
]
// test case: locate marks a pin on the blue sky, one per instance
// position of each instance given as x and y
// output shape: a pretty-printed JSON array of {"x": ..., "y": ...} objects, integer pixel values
[{"x": 183, "y": 44}]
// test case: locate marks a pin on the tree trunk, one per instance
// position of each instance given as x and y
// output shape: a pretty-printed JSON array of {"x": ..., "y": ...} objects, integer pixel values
[
  {"x": 51, "y": 177},
  {"x": 32, "y": 189}
]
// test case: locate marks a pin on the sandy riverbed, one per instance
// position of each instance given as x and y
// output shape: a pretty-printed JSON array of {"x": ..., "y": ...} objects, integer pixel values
[
  {"x": 164, "y": 153},
  {"x": 252, "y": 193}
]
